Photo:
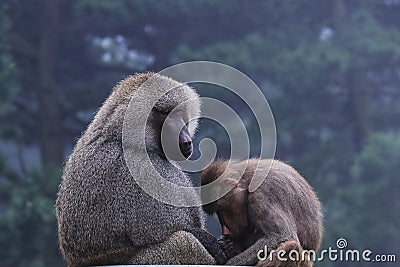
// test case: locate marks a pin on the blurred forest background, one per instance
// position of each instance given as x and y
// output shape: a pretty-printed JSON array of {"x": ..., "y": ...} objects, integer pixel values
[{"x": 330, "y": 70}]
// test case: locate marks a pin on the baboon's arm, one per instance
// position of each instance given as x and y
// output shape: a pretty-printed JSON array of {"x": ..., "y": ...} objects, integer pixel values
[
  {"x": 210, "y": 243},
  {"x": 180, "y": 248},
  {"x": 268, "y": 217}
]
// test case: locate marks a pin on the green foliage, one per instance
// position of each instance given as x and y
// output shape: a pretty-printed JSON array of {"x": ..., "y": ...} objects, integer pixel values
[
  {"x": 28, "y": 223},
  {"x": 7, "y": 67},
  {"x": 373, "y": 194},
  {"x": 10, "y": 127}
]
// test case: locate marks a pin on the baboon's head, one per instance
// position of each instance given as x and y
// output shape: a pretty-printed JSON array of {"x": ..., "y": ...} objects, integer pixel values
[
  {"x": 173, "y": 119},
  {"x": 170, "y": 107},
  {"x": 230, "y": 208}
]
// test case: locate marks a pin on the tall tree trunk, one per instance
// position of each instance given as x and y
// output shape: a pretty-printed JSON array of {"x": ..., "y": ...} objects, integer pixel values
[
  {"x": 353, "y": 82},
  {"x": 353, "y": 110},
  {"x": 51, "y": 138}
]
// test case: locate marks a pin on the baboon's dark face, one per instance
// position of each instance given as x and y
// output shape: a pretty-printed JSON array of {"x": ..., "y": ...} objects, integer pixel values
[
  {"x": 232, "y": 216},
  {"x": 174, "y": 138},
  {"x": 232, "y": 207}
]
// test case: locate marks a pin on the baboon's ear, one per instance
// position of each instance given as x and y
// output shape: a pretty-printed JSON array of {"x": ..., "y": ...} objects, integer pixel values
[
  {"x": 235, "y": 183},
  {"x": 231, "y": 181}
]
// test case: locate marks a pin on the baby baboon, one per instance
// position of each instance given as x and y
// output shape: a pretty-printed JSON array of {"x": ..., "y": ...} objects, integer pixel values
[
  {"x": 284, "y": 213},
  {"x": 104, "y": 216}
]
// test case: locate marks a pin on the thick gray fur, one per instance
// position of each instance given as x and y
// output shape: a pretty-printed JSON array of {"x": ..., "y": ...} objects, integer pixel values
[{"x": 103, "y": 215}]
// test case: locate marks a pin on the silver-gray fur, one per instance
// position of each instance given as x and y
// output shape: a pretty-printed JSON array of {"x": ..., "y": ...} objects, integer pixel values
[{"x": 103, "y": 215}]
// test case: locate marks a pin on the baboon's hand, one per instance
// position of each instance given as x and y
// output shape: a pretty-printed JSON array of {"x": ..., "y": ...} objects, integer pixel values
[
  {"x": 210, "y": 243},
  {"x": 229, "y": 247}
]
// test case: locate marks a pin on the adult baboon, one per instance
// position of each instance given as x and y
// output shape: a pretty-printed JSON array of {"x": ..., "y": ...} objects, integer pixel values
[
  {"x": 284, "y": 213},
  {"x": 104, "y": 217}
]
